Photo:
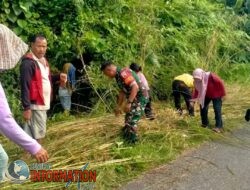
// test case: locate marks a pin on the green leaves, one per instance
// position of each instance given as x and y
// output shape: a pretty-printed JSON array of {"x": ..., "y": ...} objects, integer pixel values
[
  {"x": 25, "y": 6},
  {"x": 166, "y": 37},
  {"x": 16, "y": 9},
  {"x": 12, "y": 17},
  {"x": 22, "y": 23}
]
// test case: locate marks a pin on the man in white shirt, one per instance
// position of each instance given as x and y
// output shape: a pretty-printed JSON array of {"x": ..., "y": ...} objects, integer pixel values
[{"x": 35, "y": 88}]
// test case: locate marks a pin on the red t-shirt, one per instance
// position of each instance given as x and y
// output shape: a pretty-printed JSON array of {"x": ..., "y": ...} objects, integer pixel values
[{"x": 215, "y": 87}]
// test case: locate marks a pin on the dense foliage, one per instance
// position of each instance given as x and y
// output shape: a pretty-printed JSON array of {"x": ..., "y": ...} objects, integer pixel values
[{"x": 167, "y": 37}]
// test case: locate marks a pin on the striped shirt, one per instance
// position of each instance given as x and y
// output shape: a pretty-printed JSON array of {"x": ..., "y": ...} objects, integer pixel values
[{"x": 12, "y": 48}]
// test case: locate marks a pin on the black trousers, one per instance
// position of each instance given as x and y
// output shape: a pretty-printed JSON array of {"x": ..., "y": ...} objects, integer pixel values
[
  {"x": 181, "y": 89},
  {"x": 217, "y": 104},
  {"x": 148, "y": 108}
]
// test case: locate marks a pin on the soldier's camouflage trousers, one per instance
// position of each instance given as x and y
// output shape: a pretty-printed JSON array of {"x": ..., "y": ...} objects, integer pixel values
[{"x": 132, "y": 118}]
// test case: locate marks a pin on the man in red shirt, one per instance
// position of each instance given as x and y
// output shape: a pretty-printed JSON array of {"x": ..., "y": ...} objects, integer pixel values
[
  {"x": 35, "y": 87},
  {"x": 209, "y": 87}
]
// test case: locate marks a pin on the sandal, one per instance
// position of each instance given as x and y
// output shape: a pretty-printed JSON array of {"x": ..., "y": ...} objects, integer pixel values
[{"x": 217, "y": 130}]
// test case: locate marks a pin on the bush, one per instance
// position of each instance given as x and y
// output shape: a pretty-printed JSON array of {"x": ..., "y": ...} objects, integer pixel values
[{"x": 166, "y": 37}]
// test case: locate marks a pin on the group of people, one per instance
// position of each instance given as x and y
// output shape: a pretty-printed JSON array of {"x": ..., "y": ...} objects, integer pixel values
[
  {"x": 134, "y": 96},
  {"x": 134, "y": 93},
  {"x": 202, "y": 86}
]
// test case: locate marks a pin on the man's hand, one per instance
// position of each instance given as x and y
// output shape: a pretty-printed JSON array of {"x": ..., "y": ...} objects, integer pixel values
[
  {"x": 118, "y": 111},
  {"x": 27, "y": 115},
  {"x": 192, "y": 103},
  {"x": 63, "y": 79},
  {"x": 42, "y": 156},
  {"x": 193, "y": 100},
  {"x": 223, "y": 98},
  {"x": 127, "y": 107}
]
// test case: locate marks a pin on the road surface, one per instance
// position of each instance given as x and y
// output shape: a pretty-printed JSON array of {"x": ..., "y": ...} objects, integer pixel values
[{"x": 219, "y": 165}]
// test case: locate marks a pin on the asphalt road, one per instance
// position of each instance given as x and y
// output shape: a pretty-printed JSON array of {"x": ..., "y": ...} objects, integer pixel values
[{"x": 220, "y": 165}]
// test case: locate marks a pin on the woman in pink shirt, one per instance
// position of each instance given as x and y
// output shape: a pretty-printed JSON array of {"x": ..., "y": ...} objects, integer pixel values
[
  {"x": 209, "y": 87},
  {"x": 148, "y": 109}
]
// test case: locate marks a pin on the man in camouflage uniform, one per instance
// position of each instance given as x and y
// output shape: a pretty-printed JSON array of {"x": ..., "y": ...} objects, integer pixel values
[{"x": 136, "y": 98}]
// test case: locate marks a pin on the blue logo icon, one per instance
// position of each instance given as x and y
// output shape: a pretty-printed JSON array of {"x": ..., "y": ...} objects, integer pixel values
[{"x": 18, "y": 171}]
